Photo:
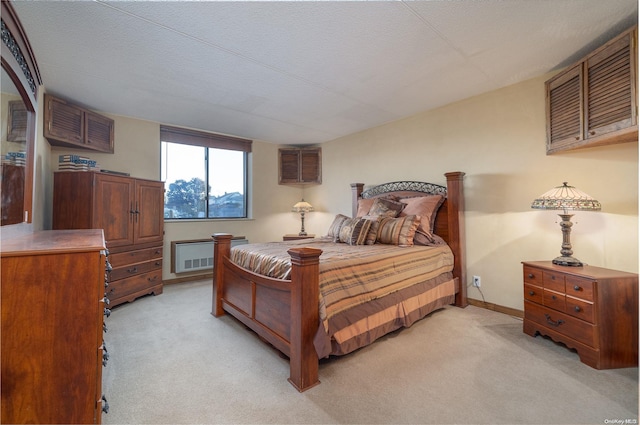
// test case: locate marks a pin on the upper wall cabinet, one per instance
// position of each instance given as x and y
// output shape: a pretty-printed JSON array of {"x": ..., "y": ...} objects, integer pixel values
[
  {"x": 300, "y": 166},
  {"x": 594, "y": 102},
  {"x": 71, "y": 126}
]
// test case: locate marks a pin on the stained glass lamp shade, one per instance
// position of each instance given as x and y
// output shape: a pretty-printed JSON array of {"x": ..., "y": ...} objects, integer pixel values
[{"x": 566, "y": 198}]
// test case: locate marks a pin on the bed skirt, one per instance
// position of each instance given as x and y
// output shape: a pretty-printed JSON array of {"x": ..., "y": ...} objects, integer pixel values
[{"x": 361, "y": 325}]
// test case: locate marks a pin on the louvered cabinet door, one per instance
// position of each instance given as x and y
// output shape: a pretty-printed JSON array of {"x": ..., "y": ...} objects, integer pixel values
[
  {"x": 99, "y": 131},
  {"x": 63, "y": 122},
  {"x": 610, "y": 88},
  {"x": 594, "y": 102},
  {"x": 564, "y": 109}
]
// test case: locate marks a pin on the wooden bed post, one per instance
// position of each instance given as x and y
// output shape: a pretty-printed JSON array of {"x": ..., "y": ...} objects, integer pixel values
[
  {"x": 455, "y": 198},
  {"x": 305, "y": 292},
  {"x": 221, "y": 249},
  {"x": 356, "y": 191}
]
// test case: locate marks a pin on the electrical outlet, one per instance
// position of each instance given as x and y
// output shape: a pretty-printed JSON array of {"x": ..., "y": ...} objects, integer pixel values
[{"x": 476, "y": 281}]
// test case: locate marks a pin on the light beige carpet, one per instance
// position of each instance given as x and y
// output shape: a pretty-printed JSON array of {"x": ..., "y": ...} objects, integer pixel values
[{"x": 171, "y": 362}]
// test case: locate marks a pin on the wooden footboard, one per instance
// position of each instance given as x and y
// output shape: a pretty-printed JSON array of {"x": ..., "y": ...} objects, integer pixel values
[{"x": 282, "y": 312}]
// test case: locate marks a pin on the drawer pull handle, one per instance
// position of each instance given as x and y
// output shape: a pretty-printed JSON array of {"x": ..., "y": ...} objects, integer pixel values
[
  {"x": 553, "y": 322},
  {"x": 577, "y": 308},
  {"x": 532, "y": 293},
  {"x": 105, "y": 404},
  {"x": 133, "y": 270},
  {"x": 105, "y": 355},
  {"x": 107, "y": 312},
  {"x": 553, "y": 297},
  {"x": 108, "y": 267},
  {"x": 530, "y": 275},
  {"x": 105, "y": 300},
  {"x": 577, "y": 288}
]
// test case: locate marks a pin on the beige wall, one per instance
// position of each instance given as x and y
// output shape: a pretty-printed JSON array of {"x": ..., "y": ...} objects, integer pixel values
[
  {"x": 137, "y": 152},
  {"x": 498, "y": 140}
]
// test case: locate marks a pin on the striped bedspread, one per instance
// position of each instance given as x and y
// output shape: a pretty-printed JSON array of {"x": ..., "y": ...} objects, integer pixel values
[{"x": 350, "y": 275}]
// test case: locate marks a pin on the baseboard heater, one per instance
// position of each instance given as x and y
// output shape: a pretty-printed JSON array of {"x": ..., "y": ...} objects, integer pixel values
[{"x": 196, "y": 255}]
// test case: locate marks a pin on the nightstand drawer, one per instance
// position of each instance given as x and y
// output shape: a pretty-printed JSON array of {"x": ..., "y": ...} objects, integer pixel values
[
  {"x": 576, "y": 329},
  {"x": 580, "y": 309},
  {"x": 553, "y": 280},
  {"x": 533, "y": 293},
  {"x": 555, "y": 300},
  {"x": 580, "y": 288},
  {"x": 532, "y": 275}
]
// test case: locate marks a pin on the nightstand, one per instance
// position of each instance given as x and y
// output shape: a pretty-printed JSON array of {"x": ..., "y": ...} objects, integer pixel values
[
  {"x": 590, "y": 309},
  {"x": 294, "y": 237}
]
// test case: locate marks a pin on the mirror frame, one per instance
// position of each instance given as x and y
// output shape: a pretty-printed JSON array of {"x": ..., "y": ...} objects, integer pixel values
[{"x": 19, "y": 62}]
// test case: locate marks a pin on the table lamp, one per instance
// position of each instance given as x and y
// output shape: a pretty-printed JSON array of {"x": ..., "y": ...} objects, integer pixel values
[
  {"x": 302, "y": 207},
  {"x": 566, "y": 198}
]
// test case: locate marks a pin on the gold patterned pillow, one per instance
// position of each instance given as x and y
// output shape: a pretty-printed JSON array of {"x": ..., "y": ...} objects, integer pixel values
[
  {"x": 354, "y": 231},
  {"x": 386, "y": 208}
]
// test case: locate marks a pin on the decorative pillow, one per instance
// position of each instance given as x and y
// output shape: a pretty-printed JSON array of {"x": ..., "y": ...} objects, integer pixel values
[
  {"x": 398, "y": 231},
  {"x": 386, "y": 208},
  {"x": 334, "y": 229},
  {"x": 372, "y": 235},
  {"x": 354, "y": 231},
  {"x": 426, "y": 207},
  {"x": 364, "y": 205}
]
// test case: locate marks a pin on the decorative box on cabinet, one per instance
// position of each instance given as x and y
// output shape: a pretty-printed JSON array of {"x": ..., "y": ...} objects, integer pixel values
[
  {"x": 590, "y": 309},
  {"x": 131, "y": 212},
  {"x": 53, "y": 307},
  {"x": 594, "y": 102},
  {"x": 300, "y": 165},
  {"x": 71, "y": 126}
]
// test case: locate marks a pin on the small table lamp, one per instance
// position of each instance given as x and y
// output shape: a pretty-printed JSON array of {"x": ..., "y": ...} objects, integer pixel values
[
  {"x": 302, "y": 207},
  {"x": 566, "y": 198}
]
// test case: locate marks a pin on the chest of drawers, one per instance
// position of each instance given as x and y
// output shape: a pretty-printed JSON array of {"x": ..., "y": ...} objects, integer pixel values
[{"x": 590, "y": 309}]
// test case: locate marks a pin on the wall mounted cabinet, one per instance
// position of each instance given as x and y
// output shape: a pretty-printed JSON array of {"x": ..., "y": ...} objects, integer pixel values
[
  {"x": 300, "y": 166},
  {"x": 71, "y": 126},
  {"x": 594, "y": 102}
]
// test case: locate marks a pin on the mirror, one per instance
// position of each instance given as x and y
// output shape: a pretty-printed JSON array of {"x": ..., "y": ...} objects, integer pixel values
[
  {"x": 20, "y": 81},
  {"x": 13, "y": 153}
]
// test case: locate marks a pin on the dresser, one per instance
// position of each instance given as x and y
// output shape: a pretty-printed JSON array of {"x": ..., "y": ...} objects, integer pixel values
[
  {"x": 590, "y": 309},
  {"x": 53, "y": 305},
  {"x": 131, "y": 212}
]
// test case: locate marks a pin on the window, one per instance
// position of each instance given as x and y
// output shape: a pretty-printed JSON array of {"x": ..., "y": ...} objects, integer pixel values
[{"x": 205, "y": 174}]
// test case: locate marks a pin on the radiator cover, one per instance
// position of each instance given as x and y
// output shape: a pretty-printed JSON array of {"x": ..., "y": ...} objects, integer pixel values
[{"x": 196, "y": 255}]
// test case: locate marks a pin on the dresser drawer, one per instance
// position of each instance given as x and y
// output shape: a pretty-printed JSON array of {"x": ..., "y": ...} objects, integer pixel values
[
  {"x": 553, "y": 280},
  {"x": 580, "y": 288},
  {"x": 123, "y": 287},
  {"x": 133, "y": 269},
  {"x": 576, "y": 329},
  {"x": 136, "y": 256}
]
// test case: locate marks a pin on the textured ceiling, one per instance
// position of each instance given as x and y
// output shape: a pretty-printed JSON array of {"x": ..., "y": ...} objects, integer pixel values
[{"x": 303, "y": 72}]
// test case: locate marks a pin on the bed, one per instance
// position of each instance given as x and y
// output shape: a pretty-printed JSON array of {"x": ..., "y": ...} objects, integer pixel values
[{"x": 309, "y": 299}]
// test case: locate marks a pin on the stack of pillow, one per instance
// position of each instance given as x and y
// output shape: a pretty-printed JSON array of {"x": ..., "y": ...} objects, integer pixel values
[{"x": 389, "y": 220}]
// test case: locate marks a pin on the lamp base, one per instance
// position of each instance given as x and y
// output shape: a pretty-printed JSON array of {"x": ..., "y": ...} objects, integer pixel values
[
  {"x": 567, "y": 261},
  {"x": 303, "y": 233}
]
